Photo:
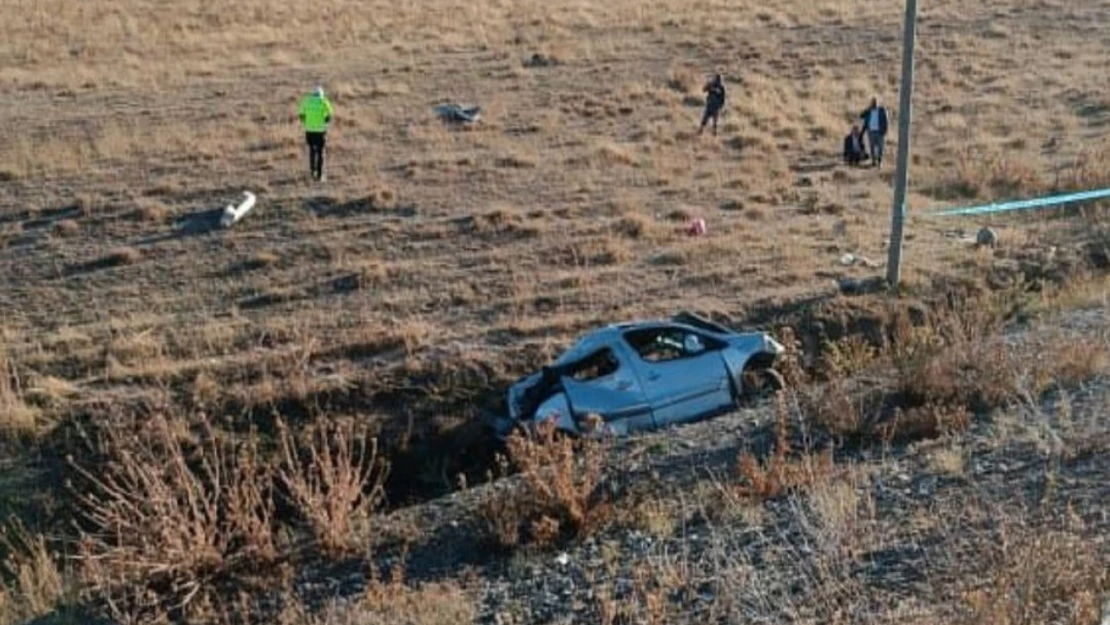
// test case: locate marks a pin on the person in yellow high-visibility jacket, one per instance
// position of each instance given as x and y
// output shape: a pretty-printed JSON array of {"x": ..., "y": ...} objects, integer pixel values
[{"x": 316, "y": 114}]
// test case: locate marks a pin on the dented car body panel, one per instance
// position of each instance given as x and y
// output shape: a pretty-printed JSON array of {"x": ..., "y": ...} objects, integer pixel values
[{"x": 642, "y": 375}]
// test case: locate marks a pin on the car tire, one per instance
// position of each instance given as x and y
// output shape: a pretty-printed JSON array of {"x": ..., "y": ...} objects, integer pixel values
[{"x": 760, "y": 383}]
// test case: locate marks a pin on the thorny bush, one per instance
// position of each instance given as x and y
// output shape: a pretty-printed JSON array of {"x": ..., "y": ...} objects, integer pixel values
[
  {"x": 175, "y": 511},
  {"x": 335, "y": 479},
  {"x": 561, "y": 493},
  {"x": 166, "y": 516}
]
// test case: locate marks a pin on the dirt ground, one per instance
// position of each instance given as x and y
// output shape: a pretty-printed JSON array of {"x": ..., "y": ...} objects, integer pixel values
[
  {"x": 561, "y": 210},
  {"x": 436, "y": 264}
]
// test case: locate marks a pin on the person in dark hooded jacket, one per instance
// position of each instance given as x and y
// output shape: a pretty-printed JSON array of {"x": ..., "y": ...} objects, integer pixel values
[{"x": 714, "y": 102}]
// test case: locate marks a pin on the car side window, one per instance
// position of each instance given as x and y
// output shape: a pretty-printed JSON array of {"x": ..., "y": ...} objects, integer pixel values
[
  {"x": 664, "y": 344},
  {"x": 595, "y": 366}
]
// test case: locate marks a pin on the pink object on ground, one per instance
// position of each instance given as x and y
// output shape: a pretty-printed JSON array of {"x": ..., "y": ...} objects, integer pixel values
[{"x": 697, "y": 227}]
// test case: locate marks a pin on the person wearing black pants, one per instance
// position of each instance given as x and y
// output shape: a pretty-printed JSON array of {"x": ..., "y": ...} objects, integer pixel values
[
  {"x": 317, "y": 142},
  {"x": 316, "y": 113}
]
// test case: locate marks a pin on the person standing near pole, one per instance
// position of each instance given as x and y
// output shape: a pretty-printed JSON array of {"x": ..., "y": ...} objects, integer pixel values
[
  {"x": 316, "y": 114},
  {"x": 876, "y": 123}
]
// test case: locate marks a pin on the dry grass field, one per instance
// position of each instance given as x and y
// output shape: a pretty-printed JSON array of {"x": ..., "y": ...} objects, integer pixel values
[{"x": 436, "y": 264}]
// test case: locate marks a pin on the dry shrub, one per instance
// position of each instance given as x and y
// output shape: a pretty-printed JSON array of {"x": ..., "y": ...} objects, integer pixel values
[
  {"x": 961, "y": 359},
  {"x": 923, "y": 422},
  {"x": 1040, "y": 577},
  {"x": 334, "y": 478},
  {"x": 635, "y": 226},
  {"x": 841, "y": 409},
  {"x": 394, "y": 601},
  {"x": 958, "y": 362},
  {"x": 385, "y": 601},
  {"x": 684, "y": 79},
  {"x": 150, "y": 211},
  {"x": 1067, "y": 363},
  {"x": 779, "y": 473},
  {"x": 380, "y": 197},
  {"x": 120, "y": 257},
  {"x": 609, "y": 153},
  {"x": 955, "y": 356},
  {"x": 16, "y": 415},
  {"x": 993, "y": 176},
  {"x": 561, "y": 493},
  {"x": 648, "y": 600},
  {"x": 1088, "y": 171},
  {"x": 848, "y": 357},
  {"x": 164, "y": 517},
  {"x": 597, "y": 252},
  {"x": 67, "y": 228},
  {"x": 35, "y": 585}
]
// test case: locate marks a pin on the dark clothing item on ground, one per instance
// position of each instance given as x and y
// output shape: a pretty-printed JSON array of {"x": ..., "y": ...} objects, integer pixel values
[
  {"x": 854, "y": 152},
  {"x": 316, "y": 141}
]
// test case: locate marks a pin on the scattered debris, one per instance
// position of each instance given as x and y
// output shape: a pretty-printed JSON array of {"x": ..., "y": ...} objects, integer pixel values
[
  {"x": 617, "y": 373},
  {"x": 986, "y": 237},
  {"x": 540, "y": 60},
  {"x": 849, "y": 260},
  {"x": 233, "y": 214},
  {"x": 852, "y": 286},
  {"x": 458, "y": 114},
  {"x": 696, "y": 228}
]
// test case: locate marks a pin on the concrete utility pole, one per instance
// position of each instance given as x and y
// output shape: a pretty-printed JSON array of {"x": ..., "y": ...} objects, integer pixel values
[{"x": 901, "y": 175}]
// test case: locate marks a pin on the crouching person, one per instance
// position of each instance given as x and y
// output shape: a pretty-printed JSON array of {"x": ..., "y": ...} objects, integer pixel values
[{"x": 854, "y": 151}]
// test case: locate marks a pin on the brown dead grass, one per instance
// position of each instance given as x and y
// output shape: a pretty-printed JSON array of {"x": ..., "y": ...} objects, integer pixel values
[
  {"x": 34, "y": 584},
  {"x": 1037, "y": 577},
  {"x": 780, "y": 473},
  {"x": 171, "y": 514},
  {"x": 956, "y": 364},
  {"x": 461, "y": 259},
  {"x": 19, "y": 417},
  {"x": 391, "y": 600}
]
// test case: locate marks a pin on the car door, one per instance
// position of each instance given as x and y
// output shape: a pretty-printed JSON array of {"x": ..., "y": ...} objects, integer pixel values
[
  {"x": 603, "y": 384},
  {"x": 683, "y": 373}
]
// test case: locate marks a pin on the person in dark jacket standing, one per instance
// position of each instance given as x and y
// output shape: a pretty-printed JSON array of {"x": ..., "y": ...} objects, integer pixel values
[
  {"x": 714, "y": 102},
  {"x": 875, "y": 124}
]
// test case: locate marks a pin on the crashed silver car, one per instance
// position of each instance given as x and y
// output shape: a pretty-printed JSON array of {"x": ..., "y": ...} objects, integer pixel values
[{"x": 644, "y": 375}]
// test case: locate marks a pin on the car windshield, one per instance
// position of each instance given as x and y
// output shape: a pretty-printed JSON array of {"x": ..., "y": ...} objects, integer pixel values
[{"x": 662, "y": 344}]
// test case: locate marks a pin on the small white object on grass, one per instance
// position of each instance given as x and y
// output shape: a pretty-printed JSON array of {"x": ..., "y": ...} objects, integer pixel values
[{"x": 233, "y": 214}]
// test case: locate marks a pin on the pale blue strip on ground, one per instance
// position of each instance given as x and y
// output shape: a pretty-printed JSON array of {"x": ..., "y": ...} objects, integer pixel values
[{"x": 1044, "y": 202}]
